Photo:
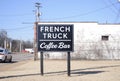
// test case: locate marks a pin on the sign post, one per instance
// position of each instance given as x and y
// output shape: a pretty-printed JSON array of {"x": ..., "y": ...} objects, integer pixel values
[
  {"x": 68, "y": 64},
  {"x": 41, "y": 63},
  {"x": 55, "y": 38}
]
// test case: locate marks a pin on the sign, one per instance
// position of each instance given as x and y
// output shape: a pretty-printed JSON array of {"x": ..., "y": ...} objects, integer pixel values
[{"x": 55, "y": 37}]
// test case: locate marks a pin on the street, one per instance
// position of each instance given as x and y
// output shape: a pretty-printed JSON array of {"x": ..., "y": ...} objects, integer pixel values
[
  {"x": 22, "y": 57},
  {"x": 19, "y": 57}
]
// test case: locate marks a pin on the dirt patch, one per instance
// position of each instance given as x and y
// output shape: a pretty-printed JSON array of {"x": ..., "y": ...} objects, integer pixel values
[
  {"x": 56, "y": 70},
  {"x": 9, "y": 66}
]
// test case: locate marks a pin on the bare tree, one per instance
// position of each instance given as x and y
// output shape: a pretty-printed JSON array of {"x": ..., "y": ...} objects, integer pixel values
[{"x": 3, "y": 36}]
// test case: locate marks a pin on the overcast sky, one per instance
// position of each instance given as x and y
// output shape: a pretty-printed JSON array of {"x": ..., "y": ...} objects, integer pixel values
[{"x": 17, "y": 16}]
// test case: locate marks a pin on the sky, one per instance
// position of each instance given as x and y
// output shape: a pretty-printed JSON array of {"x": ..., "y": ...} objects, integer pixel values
[{"x": 17, "y": 17}]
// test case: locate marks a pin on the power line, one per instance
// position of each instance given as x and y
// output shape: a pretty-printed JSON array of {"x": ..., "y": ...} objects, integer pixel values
[
  {"x": 72, "y": 16},
  {"x": 20, "y": 31},
  {"x": 117, "y": 16},
  {"x": 118, "y": 10},
  {"x": 113, "y": 4},
  {"x": 18, "y": 28},
  {"x": 23, "y": 31},
  {"x": 67, "y": 17},
  {"x": 11, "y": 15},
  {"x": 111, "y": 8},
  {"x": 83, "y": 14}
]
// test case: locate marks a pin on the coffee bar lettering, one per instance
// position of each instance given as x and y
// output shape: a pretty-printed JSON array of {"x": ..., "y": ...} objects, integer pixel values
[{"x": 56, "y": 37}]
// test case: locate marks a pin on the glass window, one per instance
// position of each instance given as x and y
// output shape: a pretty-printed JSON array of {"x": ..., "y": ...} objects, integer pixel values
[
  {"x": 1, "y": 50},
  {"x": 105, "y": 38}
]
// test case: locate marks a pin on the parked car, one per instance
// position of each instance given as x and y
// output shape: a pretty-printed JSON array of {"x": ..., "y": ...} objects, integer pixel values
[
  {"x": 29, "y": 50},
  {"x": 32, "y": 51},
  {"x": 5, "y": 56}
]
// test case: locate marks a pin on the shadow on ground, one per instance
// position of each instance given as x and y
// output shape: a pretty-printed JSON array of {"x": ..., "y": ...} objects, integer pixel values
[
  {"x": 9, "y": 62},
  {"x": 76, "y": 72},
  {"x": 14, "y": 76}
]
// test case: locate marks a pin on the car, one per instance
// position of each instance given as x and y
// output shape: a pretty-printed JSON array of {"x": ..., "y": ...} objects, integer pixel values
[
  {"x": 31, "y": 51},
  {"x": 5, "y": 55}
]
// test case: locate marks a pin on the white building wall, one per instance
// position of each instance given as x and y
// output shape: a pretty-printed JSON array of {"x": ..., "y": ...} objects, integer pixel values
[{"x": 88, "y": 44}]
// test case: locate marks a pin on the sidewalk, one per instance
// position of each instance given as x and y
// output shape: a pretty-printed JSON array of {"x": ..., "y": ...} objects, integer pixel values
[{"x": 55, "y": 70}]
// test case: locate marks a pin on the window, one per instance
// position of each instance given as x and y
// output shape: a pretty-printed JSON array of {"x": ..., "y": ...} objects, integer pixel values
[
  {"x": 1, "y": 50},
  {"x": 105, "y": 38}
]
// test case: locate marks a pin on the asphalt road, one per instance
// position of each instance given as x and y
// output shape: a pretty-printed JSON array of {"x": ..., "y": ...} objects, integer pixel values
[
  {"x": 19, "y": 57},
  {"x": 22, "y": 57}
]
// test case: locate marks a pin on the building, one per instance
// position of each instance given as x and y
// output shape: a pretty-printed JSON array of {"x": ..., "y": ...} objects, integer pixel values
[{"x": 92, "y": 41}]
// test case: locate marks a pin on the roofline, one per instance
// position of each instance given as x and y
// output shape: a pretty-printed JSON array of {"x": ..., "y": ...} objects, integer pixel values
[
  {"x": 66, "y": 22},
  {"x": 79, "y": 22}
]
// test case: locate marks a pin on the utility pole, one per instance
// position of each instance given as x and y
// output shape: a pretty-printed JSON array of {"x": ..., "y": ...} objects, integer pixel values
[
  {"x": 5, "y": 44},
  {"x": 37, "y": 5},
  {"x": 5, "y": 40},
  {"x": 37, "y": 13},
  {"x": 10, "y": 45},
  {"x": 20, "y": 45}
]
